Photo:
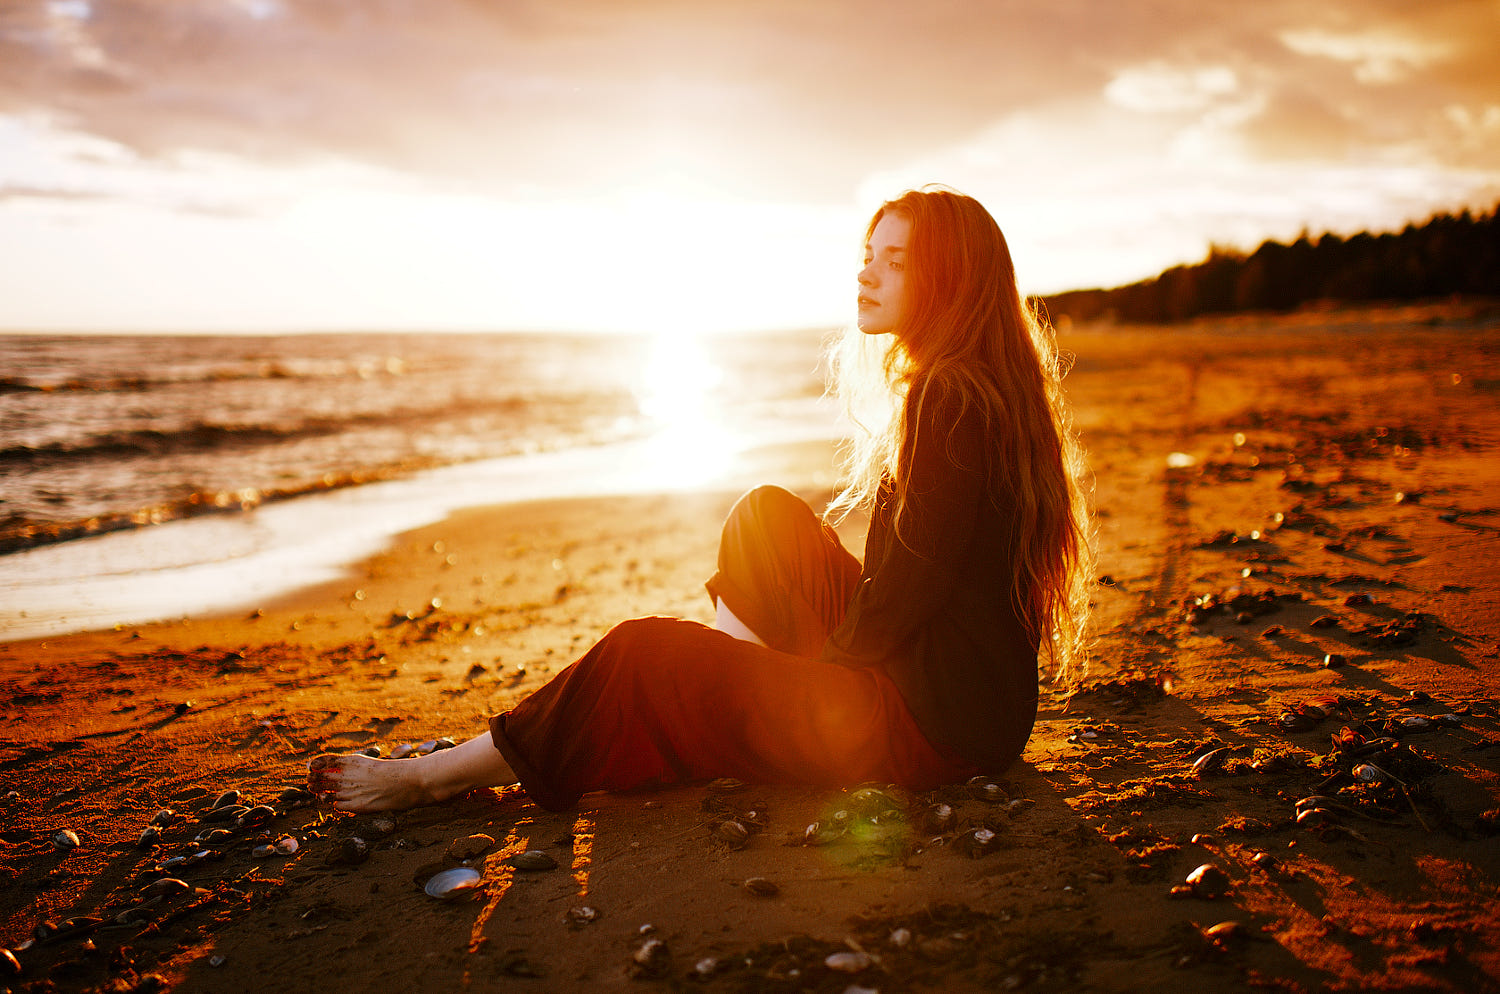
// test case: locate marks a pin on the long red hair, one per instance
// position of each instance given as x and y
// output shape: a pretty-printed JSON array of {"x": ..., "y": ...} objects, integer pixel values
[{"x": 967, "y": 328}]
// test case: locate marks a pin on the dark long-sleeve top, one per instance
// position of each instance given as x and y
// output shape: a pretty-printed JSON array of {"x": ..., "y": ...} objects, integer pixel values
[{"x": 934, "y": 607}]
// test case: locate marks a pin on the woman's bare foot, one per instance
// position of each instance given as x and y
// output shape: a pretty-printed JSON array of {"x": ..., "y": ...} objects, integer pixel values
[{"x": 361, "y": 784}]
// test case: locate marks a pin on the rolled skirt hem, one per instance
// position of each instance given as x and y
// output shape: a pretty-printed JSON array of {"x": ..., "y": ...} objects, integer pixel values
[{"x": 535, "y": 785}]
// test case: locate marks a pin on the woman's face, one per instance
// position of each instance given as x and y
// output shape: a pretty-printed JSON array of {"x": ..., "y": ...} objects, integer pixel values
[{"x": 882, "y": 283}]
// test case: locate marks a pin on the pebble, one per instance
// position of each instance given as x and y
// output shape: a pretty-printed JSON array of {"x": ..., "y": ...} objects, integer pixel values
[
  {"x": 761, "y": 887},
  {"x": 850, "y": 962},
  {"x": 66, "y": 839},
  {"x": 468, "y": 848},
  {"x": 1208, "y": 881},
  {"x": 651, "y": 959},
  {"x": 1334, "y": 660}
]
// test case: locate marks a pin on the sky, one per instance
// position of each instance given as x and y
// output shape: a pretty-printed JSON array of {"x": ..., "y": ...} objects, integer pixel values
[{"x": 690, "y": 165}]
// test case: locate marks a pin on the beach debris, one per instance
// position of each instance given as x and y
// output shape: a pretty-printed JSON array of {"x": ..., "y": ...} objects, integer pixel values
[
  {"x": 531, "y": 860},
  {"x": 732, "y": 834},
  {"x": 853, "y": 961},
  {"x": 1211, "y": 762},
  {"x": 470, "y": 846},
  {"x": 1207, "y": 881},
  {"x": 761, "y": 887},
  {"x": 255, "y": 817},
  {"x": 991, "y": 791},
  {"x": 581, "y": 915},
  {"x": 293, "y": 798},
  {"x": 228, "y": 812},
  {"x": 450, "y": 885},
  {"x": 650, "y": 959},
  {"x": 977, "y": 843},
  {"x": 217, "y": 961},
  {"x": 66, "y": 839},
  {"x": 823, "y": 832},
  {"x": 1370, "y": 773},
  {"x": 938, "y": 818},
  {"x": 166, "y": 887},
  {"x": 1226, "y": 933},
  {"x": 350, "y": 852}
]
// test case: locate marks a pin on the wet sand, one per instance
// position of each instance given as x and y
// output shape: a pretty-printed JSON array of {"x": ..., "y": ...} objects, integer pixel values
[{"x": 1335, "y": 496}]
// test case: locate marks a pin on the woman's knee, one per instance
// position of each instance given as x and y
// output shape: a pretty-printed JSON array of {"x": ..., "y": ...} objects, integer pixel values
[{"x": 771, "y": 508}]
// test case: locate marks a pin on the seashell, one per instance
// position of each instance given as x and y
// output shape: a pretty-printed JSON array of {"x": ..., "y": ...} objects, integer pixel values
[
  {"x": 1326, "y": 621},
  {"x": 255, "y": 817},
  {"x": 166, "y": 887},
  {"x": 821, "y": 833},
  {"x": 705, "y": 967},
  {"x": 286, "y": 845},
  {"x": 403, "y": 750},
  {"x": 150, "y": 836},
  {"x": 230, "y": 796},
  {"x": 1334, "y": 660},
  {"x": 1451, "y": 720},
  {"x": 295, "y": 797},
  {"x": 217, "y": 961},
  {"x": 1208, "y": 881},
  {"x": 1210, "y": 762},
  {"x": 989, "y": 792},
  {"x": 382, "y": 825},
  {"x": 164, "y": 817},
  {"x": 847, "y": 962},
  {"x": 651, "y": 959},
  {"x": 227, "y": 812},
  {"x": 350, "y": 852},
  {"x": 732, "y": 833},
  {"x": 725, "y": 785},
  {"x": 938, "y": 818},
  {"x": 213, "y": 837},
  {"x": 263, "y": 851},
  {"x": 1358, "y": 600},
  {"x": 372, "y": 751},
  {"x": 1295, "y": 721},
  {"x": 581, "y": 915},
  {"x": 900, "y": 937},
  {"x": 977, "y": 842},
  {"x": 426, "y": 748},
  {"x": 1313, "y": 817},
  {"x": 443, "y": 742},
  {"x": 9, "y": 965},
  {"x": 1370, "y": 773},
  {"x": 761, "y": 887},
  {"x": 1264, "y": 860},
  {"x": 1017, "y": 805},
  {"x": 66, "y": 839},
  {"x": 452, "y": 884},
  {"x": 1225, "y": 932},
  {"x": 531, "y": 859}
]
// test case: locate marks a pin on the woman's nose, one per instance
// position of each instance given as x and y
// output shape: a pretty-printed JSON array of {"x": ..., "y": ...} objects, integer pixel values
[{"x": 865, "y": 277}]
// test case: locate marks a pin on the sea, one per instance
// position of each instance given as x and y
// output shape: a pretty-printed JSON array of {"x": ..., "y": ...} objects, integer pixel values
[{"x": 135, "y": 467}]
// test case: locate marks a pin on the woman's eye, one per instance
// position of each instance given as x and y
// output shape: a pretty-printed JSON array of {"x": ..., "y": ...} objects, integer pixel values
[{"x": 898, "y": 266}]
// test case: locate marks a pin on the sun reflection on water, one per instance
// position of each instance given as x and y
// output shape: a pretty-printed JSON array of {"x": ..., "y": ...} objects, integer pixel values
[{"x": 690, "y": 443}]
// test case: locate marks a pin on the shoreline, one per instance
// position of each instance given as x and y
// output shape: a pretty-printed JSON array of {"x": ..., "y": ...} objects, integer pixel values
[{"x": 219, "y": 564}]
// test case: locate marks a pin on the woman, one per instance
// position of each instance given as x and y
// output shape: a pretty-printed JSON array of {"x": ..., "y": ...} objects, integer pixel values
[{"x": 918, "y": 668}]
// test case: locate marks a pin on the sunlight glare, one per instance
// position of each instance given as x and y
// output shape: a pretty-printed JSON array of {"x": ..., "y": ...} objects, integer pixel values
[{"x": 690, "y": 444}]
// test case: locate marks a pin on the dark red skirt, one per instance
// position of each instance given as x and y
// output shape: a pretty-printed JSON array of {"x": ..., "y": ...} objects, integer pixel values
[{"x": 663, "y": 701}]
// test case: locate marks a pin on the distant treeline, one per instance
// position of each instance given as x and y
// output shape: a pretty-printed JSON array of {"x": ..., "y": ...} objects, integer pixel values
[{"x": 1449, "y": 254}]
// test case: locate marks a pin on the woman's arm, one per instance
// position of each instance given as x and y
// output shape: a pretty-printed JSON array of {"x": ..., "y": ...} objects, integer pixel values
[{"x": 921, "y": 559}]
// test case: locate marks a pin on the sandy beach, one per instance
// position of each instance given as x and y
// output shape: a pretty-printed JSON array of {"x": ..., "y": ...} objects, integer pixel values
[{"x": 1298, "y": 579}]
